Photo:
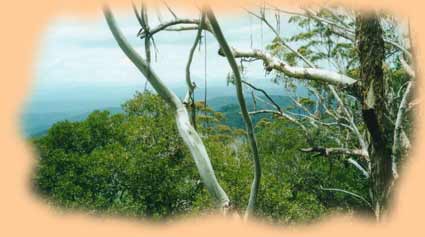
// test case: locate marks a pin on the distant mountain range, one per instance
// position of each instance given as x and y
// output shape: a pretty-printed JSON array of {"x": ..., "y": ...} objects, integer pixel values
[
  {"x": 36, "y": 124},
  {"x": 229, "y": 106},
  {"x": 48, "y": 106}
]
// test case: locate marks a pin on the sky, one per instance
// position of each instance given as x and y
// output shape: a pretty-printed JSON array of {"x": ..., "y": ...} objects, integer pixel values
[
  {"x": 79, "y": 66},
  {"x": 83, "y": 51}
]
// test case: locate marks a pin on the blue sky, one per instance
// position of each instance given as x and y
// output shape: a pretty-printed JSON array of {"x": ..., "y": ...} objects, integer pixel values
[
  {"x": 79, "y": 63},
  {"x": 79, "y": 67},
  {"x": 75, "y": 51}
]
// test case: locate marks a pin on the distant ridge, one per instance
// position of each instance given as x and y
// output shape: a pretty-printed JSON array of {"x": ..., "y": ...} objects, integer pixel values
[{"x": 37, "y": 124}]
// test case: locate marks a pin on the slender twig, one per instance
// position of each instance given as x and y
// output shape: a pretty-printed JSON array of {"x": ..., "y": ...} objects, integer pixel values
[
  {"x": 190, "y": 84},
  {"x": 169, "y": 9},
  {"x": 264, "y": 93},
  {"x": 342, "y": 31},
  {"x": 349, "y": 193}
]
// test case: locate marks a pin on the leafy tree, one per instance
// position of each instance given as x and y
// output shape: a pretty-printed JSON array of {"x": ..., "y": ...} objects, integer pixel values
[
  {"x": 337, "y": 149},
  {"x": 135, "y": 164},
  {"x": 130, "y": 163}
]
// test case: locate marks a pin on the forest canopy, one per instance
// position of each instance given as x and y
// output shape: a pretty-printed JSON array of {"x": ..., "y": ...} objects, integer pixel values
[
  {"x": 135, "y": 164},
  {"x": 338, "y": 149}
]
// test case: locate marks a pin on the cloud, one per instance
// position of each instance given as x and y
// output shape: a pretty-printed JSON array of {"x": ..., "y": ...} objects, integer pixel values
[{"x": 82, "y": 52}]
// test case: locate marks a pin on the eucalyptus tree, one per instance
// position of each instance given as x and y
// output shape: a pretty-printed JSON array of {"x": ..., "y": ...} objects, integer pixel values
[
  {"x": 368, "y": 47},
  {"x": 186, "y": 130},
  {"x": 358, "y": 68}
]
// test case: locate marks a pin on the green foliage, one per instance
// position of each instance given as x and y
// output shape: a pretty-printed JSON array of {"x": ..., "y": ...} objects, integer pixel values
[
  {"x": 135, "y": 164},
  {"x": 132, "y": 163},
  {"x": 292, "y": 180}
]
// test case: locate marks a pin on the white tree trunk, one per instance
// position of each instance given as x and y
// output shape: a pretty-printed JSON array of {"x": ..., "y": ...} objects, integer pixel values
[{"x": 186, "y": 130}]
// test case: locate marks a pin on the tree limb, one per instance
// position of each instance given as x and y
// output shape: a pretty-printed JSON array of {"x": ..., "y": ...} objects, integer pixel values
[
  {"x": 169, "y": 9},
  {"x": 165, "y": 25},
  {"x": 327, "y": 151},
  {"x": 248, "y": 123},
  {"x": 264, "y": 93},
  {"x": 190, "y": 84},
  {"x": 186, "y": 131},
  {"x": 349, "y": 193},
  {"x": 398, "y": 126},
  {"x": 359, "y": 167},
  {"x": 315, "y": 74},
  {"x": 283, "y": 115},
  {"x": 409, "y": 70}
]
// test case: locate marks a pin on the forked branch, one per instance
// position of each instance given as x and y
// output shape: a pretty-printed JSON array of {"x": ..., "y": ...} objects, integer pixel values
[{"x": 185, "y": 129}]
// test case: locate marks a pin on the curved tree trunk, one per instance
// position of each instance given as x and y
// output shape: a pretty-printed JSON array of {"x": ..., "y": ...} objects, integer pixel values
[
  {"x": 245, "y": 115},
  {"x": 186, "y": 130}
]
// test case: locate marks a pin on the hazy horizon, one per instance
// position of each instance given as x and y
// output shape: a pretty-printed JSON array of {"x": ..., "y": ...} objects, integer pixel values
[{"x": 80, "y": 68}]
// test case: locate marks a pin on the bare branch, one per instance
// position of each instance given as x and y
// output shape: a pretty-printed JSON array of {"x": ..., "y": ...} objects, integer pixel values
[
  {"x": 165, "y": 25},
  {"x": 359, "y": 167},
  {"x": 190, "y": 84},
  {"x": 283, "y": 115},
  {"x": 353, "y": 126},
  {"x": 248, "y": 123},
  {"x": 315, "y": 74},
  {"x": 398, "y": 125},
  {"x": 315, "y": 16},
  {"x": 182, "y": 28},
  {"x": 349, "y": 193},
  {"x": 263, "y": 18},
  {"x": 169, "y": 9},
  {"x": 299, "y": 105},
  {"x": 138, "y": 17},
  {"x": 186, "y": 131},
  {"x": 264, "y": 93},
  {"x": 350, "y": 119},
  {"x": 265, "y": 111},
  {"x": 327, "y": 151},
  {"x": 409, "y": 70}
]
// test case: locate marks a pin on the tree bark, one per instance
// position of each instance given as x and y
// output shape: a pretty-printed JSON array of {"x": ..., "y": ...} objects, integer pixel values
[
  {"x": 244, "y": 111},
  {"x": 370, "y": 45},
  {"x": 185, "y": 129},
  {"x": 191, "y": 85}
]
